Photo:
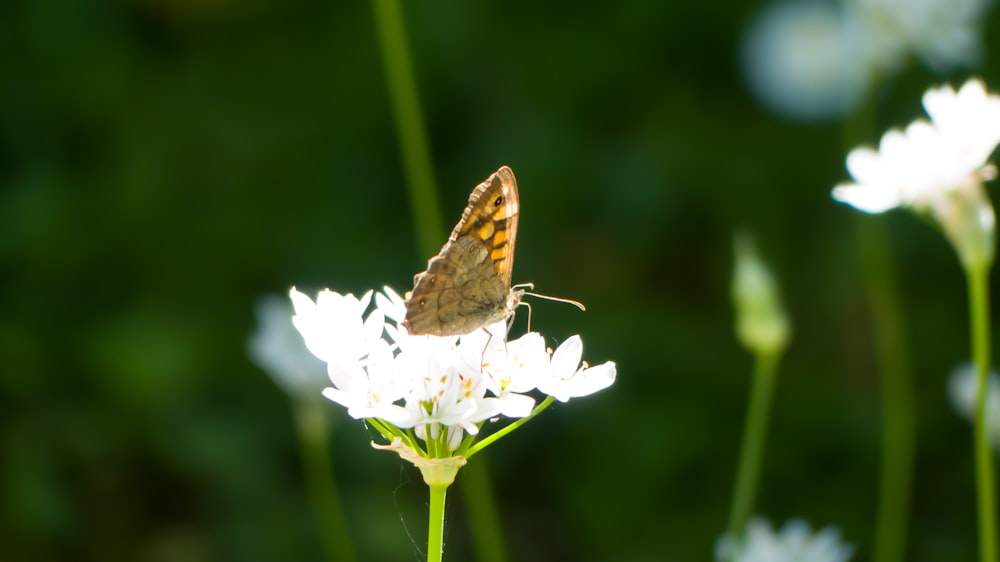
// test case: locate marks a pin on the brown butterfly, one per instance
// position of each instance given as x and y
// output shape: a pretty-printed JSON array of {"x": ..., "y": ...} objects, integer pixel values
[{"x": 467, "y": 285}]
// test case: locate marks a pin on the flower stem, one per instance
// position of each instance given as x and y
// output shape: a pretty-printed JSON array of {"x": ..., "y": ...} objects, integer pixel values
[
  {"x": 313, "y": 429},
  {"x": 979, "y": 305},
  {"x": 435, "y": 524},
  {"x": 409, "y": 124},
  {"x": 754, "y": 438},
  {"x": 898, "y": 425},
  {"x": 895, "y": 373},
  {"x": 481, "y": 506},
  {"x": 507, "y": 429}
]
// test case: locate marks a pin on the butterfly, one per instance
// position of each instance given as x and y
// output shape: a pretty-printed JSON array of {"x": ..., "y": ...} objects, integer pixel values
[{"x": 468, "y": 284}]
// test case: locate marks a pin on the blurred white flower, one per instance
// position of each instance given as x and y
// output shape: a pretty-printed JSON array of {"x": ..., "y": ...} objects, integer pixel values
[
  {"x": 969, "y": 120},
  {"x": 908, "y": 169},
  {"x": 334, "y": 328},
  {"x": 815, "y": 59},
  {"x": 278, "y": 349},
  {"x": 962, "y": 385},
  {"x": 794, "y": 543},
  {"x": 805, "y": 60},
  {"x": 936, "y": 166},
  {"x": 943, "y": 34},
  {"x": 443, "y": 388}
]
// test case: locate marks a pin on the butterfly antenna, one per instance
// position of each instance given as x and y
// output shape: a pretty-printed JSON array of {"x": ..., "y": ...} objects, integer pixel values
[
  {"x": 577, "y": 304},
  {"x": 531, "y": 286}
]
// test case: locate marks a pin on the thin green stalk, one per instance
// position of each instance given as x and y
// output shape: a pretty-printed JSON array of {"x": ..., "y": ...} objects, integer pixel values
[
  {"x": 480, "y": 445},
  {"x": 898, "y": 409},
  {"x": 979, "y": 306},
  {"x": 482, "y": 509},
  {"x": 895, "y": 372},
  {"x": 754, "y": 439},
  {"x": 409, "y": 125},
  {"x": 435, "y": 527},
  {"x": 313, "y": 429}
]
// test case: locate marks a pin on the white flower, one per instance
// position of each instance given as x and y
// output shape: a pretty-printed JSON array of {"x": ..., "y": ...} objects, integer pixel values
[
  {"x": 962, "y": 386},
  {"x": 936, "y": 166},
  {"x": 444, "y": 388},
  {"x": 944, "y": 34},
  {"x": 565, "y": 379},
  {"x": 371, "y": 388},
  {"x": 333, "y": 326},
  {"x": 446, "y": 397},
  {"x": 969, "y": 121},
  {"x": 909, "y": 169},
  {"x": 812, "y": 59},
  {"x": 278, "y": 349},
  {"x": 794, "y": 543},
  {"x": 510, "y": 369},
  {"x": 804, "y": 60}
]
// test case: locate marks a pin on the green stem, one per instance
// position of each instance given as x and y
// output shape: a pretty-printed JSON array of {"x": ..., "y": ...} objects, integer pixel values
[
  {"x": 898, "y": 410},
  {"x": 313, "y": 429},
  {"x": 482, "y": 509},
  {"x": 435, "y": 525},
  {"x": 409, "y": 124},
  {"x": 979, "y": 306},
  {"x": 895, "y": 373},
  {"x": 479, "y": 446},
  {"x": 754, "y": 439}
]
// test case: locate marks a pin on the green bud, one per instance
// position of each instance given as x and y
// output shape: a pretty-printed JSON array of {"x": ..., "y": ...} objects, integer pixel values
[{"x": 761, "y": 323}]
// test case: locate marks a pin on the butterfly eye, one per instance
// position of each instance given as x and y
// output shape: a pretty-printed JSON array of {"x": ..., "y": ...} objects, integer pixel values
[{"x": 499, "y": 201}]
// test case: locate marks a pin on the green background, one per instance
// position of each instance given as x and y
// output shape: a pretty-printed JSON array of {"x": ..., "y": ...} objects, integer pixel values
[{"x": 164, "y": 163}]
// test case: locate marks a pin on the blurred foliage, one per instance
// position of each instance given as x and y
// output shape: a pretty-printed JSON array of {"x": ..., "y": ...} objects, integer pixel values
[{"x": 164, "y": 163}]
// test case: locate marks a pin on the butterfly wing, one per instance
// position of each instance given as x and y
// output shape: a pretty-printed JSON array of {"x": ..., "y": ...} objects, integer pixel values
[
  {"x": 491, "y": 217},
  {"x": 468, "y": 284}
]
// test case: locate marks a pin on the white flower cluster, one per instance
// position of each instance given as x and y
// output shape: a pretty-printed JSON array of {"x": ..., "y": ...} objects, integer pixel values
[
  {"x": 800, "y": 60},
  {"x": 944, "y": 34},
  {"x": 794, "y": 543},
  {"x": 814, "y": 60},
  {"x": 922, "y": 165},
  {"x": 936, "y": 166},
  {"x": 434, "y": 384}
]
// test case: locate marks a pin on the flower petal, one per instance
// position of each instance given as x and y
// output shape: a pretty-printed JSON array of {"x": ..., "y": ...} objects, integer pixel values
[
  {"x": 567, "y": 356},
  {"x": 865, "y": 198}
]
